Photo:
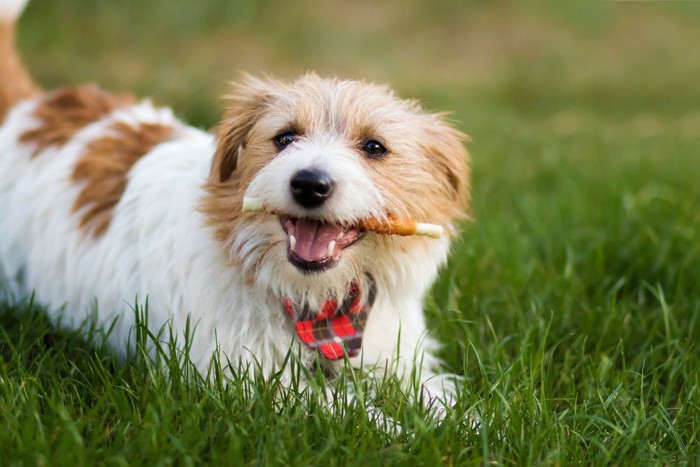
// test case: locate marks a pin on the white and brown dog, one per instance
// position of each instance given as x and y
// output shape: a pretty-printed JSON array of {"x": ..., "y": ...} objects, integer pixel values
[{"x": 105, "y": 200}]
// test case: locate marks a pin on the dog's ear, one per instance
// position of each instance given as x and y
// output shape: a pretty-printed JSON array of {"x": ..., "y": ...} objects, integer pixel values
[
  {"x": 444, "y": 145},
  {"x": 244, "y": 106}
]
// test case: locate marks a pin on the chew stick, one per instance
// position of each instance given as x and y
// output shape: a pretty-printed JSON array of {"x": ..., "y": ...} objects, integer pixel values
[
  {"x": 403, "y": 227},
  {"x": 391, "y": 226}
]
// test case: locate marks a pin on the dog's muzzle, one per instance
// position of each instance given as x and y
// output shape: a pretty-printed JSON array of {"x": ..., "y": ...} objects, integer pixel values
[{"x": 314, "y": 245}]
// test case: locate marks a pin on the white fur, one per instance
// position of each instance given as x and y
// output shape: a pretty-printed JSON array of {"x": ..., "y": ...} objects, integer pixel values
[
  {"x": 159, "y": 247},
  {"x": 10, "y": 10},
  {"x": 354, "y": 195}
]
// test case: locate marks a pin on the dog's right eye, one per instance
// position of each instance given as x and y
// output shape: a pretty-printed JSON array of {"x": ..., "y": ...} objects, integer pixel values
[{"x": 285, "y": 139}]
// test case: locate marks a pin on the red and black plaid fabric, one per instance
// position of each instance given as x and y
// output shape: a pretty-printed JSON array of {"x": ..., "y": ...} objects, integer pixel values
[{"x": 335, "y": 331}]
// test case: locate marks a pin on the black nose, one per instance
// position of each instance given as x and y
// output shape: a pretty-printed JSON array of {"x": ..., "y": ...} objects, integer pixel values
[{"x": 311, "y": 188}]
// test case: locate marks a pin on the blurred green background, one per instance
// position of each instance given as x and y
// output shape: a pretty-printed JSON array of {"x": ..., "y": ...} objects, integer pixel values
[
  {"x": 565, "y": 60},
  {"x": 571, "y": 305}
]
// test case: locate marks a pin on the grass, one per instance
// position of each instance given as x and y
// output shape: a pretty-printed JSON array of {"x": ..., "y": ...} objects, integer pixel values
[{"x": 571, "y": 305}]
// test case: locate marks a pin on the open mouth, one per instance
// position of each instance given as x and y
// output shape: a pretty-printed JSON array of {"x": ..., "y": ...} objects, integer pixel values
[{"x": 314, "y": 245}]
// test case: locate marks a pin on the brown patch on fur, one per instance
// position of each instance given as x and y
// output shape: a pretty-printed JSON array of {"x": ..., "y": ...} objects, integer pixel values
[
  {"x": 445, "y": 146},
  {"x": 105, "y": 166},
  {"x": 66, "y": 111},
  {"x": 224, "y": 199},
  {"x": 15, "y": 82},
  {"x": 428, "y": 180},
  {"x": 245, "y": 105}
]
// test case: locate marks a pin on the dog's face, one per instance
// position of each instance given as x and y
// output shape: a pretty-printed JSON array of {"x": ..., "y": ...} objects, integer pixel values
[{"x": 323, "y": 154}]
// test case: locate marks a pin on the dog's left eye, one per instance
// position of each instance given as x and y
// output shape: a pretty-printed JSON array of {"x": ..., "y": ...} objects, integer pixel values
[
  {"x": 374, "y": 149},
  {"x": 285, "y": 139}
]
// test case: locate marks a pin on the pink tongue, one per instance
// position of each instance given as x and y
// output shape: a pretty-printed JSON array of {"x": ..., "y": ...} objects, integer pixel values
[{"x": 313, "y": 238}]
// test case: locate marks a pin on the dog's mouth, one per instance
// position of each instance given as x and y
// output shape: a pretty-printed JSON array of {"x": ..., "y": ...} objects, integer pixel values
[{"x": 314, "y": 245}]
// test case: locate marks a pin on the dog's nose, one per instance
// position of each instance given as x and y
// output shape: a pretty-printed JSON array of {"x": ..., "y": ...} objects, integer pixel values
[{"x": 311, "y": 188}]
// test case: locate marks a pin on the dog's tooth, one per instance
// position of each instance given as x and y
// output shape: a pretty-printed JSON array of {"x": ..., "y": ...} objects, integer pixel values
[
  {"x": 341, "y": 235},
  {"x": 292, "y": 242},
  {"x": 331, "y": 247}
]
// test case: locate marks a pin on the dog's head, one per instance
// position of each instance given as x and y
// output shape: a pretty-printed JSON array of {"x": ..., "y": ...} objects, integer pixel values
[{"x": 323, "y": 154}]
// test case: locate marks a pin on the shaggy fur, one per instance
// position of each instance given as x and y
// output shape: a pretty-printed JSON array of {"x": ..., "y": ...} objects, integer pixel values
[
  {"x": 64, "y": 112},
  {"x": 108, "y": 201}
]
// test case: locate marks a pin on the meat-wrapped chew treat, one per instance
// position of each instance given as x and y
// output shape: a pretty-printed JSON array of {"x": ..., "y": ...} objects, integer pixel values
[{"x": 389, "y": 226}]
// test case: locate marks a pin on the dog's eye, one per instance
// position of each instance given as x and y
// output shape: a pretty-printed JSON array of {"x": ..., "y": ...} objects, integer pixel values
[
  {"x": 374, "y": 149},
  {"x": 285, "y": 139}
]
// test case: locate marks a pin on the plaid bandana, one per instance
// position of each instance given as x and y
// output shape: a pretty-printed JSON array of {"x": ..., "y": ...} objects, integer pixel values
[{"x": 335, "y": 331}]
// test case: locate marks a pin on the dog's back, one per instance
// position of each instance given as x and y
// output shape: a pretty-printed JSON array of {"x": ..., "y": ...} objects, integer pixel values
[{"x": 96, "y": 191}]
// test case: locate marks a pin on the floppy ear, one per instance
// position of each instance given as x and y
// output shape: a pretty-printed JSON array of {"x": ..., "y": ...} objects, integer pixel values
[
  {"x": 445, "y": 147},
  {"x": 245, "y": 104}
]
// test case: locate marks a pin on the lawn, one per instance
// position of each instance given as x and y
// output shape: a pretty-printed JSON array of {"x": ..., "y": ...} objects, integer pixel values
[{"x": 571, "y": 303}]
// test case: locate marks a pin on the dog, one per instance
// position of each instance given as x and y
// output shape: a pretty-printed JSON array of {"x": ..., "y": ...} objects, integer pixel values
[{"x": 106, "y": 201}]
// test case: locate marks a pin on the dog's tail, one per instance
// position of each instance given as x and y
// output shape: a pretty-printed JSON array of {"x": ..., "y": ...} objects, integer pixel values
[{"x": 15, "y": 82}]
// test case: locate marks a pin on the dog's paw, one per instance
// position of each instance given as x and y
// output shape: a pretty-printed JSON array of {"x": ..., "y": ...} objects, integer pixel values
[{"x": 439, "y": 391}]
